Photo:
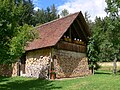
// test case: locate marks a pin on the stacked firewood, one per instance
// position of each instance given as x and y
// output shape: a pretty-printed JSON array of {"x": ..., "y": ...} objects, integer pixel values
[{"x": 37, "y": 67}]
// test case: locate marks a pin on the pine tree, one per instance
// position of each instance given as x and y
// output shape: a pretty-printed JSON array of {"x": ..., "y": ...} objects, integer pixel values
[
  {"x": 64, "y": 12},
  {"x": 45, "y": 15}
]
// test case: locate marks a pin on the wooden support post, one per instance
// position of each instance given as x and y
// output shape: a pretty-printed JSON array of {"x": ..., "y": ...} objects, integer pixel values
[{"x": 70, "y": 34}]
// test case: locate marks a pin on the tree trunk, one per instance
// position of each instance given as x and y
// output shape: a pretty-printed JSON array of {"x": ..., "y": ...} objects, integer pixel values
[
  {"x": 93, "y": 72},
  {"x": 114, "y": 65},
  {"x": 92, "y": 68}
]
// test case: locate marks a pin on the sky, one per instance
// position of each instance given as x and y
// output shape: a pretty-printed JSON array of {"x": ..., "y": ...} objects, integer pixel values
[{"x": 93, "y": 7}]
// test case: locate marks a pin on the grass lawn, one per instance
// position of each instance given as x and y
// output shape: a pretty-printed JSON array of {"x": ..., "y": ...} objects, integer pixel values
[{"x": 99, "y": 81}]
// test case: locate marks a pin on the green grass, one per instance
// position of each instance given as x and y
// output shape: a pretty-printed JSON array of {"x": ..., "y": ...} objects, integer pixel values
[{"x": 99, "y": 81}]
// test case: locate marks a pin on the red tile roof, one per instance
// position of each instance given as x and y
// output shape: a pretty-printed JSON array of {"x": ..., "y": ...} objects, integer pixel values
[{"x": 51, "y": 32}]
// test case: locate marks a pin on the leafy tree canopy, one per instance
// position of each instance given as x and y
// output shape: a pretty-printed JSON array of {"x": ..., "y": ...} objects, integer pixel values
[
  {"x": 104, "y": 44},
  {"x": 14, "y": 33}
]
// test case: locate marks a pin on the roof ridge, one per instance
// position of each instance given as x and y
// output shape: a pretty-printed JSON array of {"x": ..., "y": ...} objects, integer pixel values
[{"x": 58, "y": 19}]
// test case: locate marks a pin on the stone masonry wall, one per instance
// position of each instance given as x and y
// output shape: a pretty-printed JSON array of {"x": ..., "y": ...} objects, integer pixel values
[
  {"x": 5, "y": 70},
  {"x": 9, "y": 70},
  {"x": 70, "y": 64},
  {"x": 37, "y": 63}
]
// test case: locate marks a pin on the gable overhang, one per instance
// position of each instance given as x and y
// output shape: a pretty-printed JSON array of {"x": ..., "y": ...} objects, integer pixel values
[{"x": 81, "y": 29}]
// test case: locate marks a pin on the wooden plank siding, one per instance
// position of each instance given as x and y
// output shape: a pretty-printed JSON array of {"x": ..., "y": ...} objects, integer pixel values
[{"x": 71, "y": 47}]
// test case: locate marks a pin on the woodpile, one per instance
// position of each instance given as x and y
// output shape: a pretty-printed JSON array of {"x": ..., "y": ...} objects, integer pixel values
[
  {"x": 37, "y": 67},
  {"x": 15, "y": 71}
]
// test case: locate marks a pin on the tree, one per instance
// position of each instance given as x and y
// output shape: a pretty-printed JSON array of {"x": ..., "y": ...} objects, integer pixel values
[
  {"x": 64, "y": 12},
  {"x": 113, "y": 23},
  {"x": 87, "y": 19},
  {"x": 87, "y": 16},
  {"x": 106, "y": 36},
  {"x": 54, "y": 12},
  {"x": 28, "y": 12},
  {"x": 47, "y": 15},
  {"x": 13, "y": 35},
  {"x": 28, "y": 16},
  {"x": 94, "y": 43}
]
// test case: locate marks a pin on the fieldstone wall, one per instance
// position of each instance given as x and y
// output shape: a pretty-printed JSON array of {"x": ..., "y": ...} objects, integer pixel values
[
  {"x": 9, "y": 70},
  {"x": 70, "y": 64},
  {"x": 5, "y": 70},
  {"x": 37, "y": 63}
]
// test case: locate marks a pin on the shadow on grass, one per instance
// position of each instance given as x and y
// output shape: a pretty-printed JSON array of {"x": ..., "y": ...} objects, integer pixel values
[
  {"x": 3, "y": 78},
  {"x": 103, "y": 72},
  {"x": 118, "y": 72},
  {"x": 37, "y": 84}
]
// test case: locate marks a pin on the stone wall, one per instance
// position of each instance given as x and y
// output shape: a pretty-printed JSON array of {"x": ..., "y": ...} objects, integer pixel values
[
  {"x": 37, "y": 63},
  {"x": 5, "y": 70},
  {"x": 70, "y": 64},
  {"x": 9, "y": 70}
]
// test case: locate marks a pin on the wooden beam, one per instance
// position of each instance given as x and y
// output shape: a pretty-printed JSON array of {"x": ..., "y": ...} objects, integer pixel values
[
  {"x": 70, "y": 34},
  {"x": 76, "y": 30},
  {"x": 82, "y": 29}
]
